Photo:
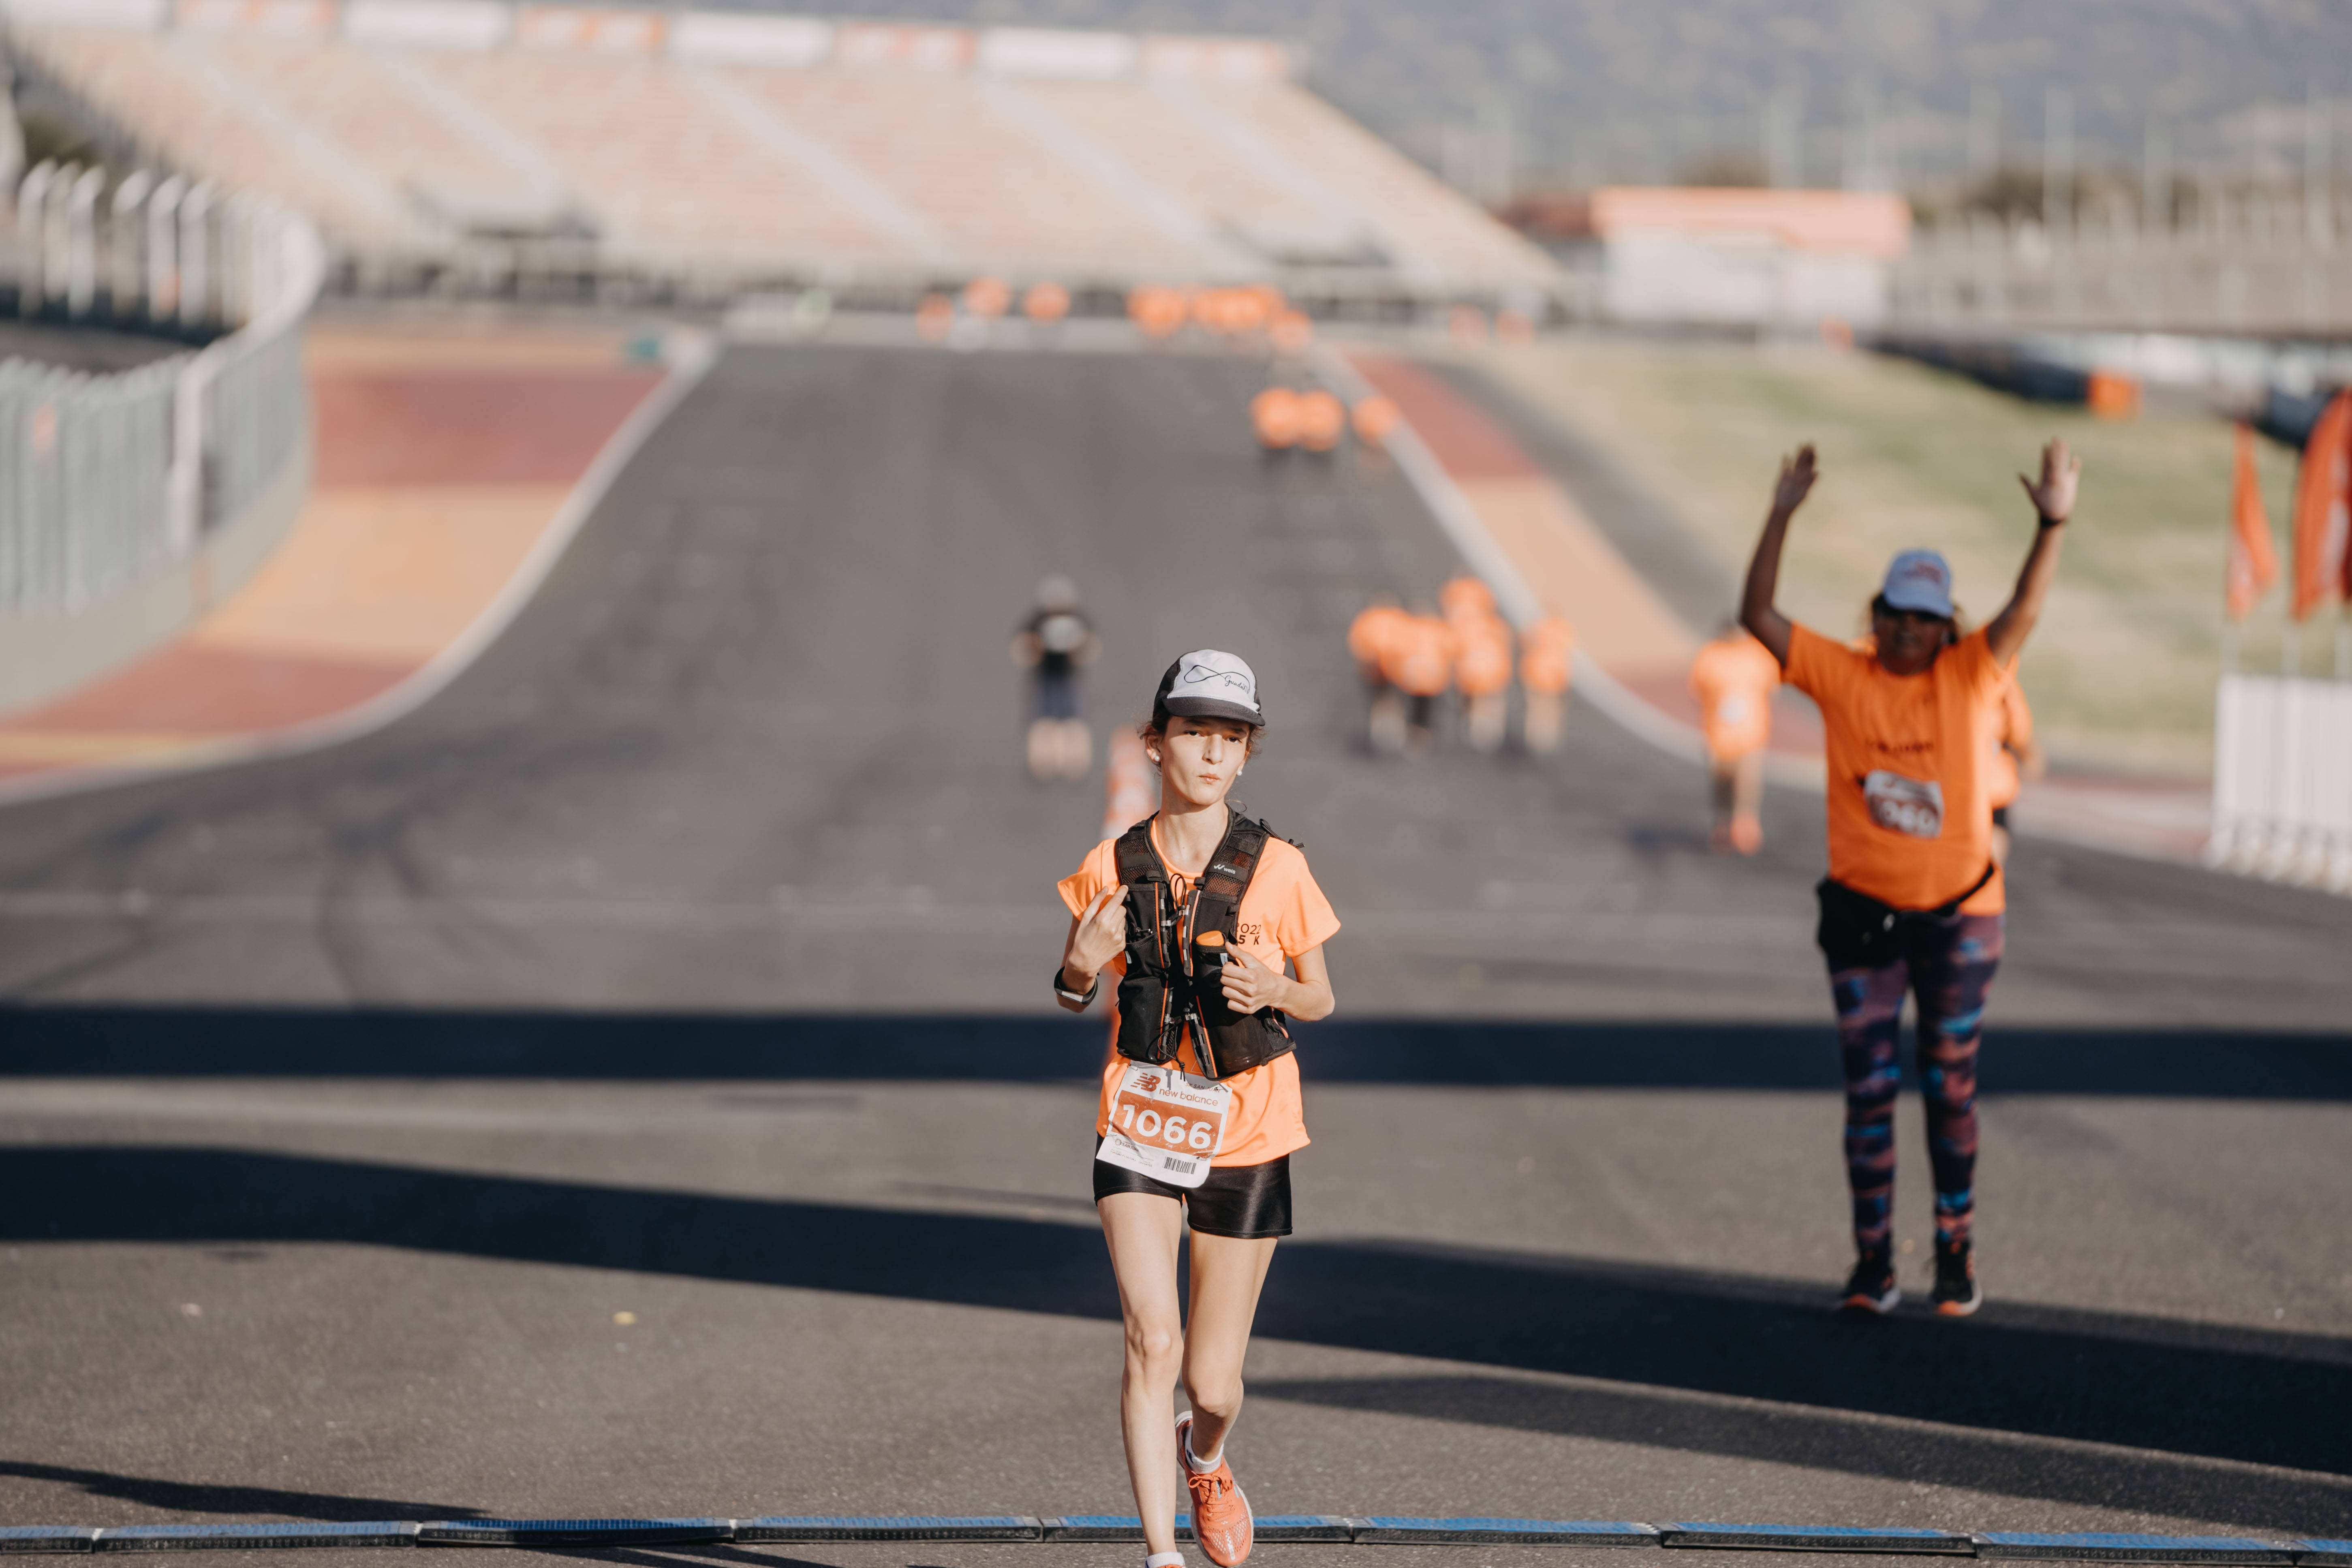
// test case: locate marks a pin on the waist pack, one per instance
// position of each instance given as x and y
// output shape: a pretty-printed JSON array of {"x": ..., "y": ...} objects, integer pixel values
[
  {"x": 1167, "y": 983},
  {"x": 1858, "y": 931}
]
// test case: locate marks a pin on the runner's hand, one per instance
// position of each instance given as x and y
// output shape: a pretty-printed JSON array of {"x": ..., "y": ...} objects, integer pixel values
[
  {"x": 1101, "y": 935},
  {"x": 1796, "y": 482},
  {"x": 1249, "y": 984},
  {"x": 2062, "y": 471}
]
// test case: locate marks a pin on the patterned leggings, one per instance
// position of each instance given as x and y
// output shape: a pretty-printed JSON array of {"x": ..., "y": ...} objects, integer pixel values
[{"x": 1950, "y": 976}]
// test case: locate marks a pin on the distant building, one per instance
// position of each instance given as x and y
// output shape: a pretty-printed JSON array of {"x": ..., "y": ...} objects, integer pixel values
[{"x": 1747, "y": 257}]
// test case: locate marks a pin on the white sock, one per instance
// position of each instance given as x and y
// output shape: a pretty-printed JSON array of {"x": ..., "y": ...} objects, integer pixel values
[
  {"x": 1165, "y": 1560},
  {"x": 1193, "y": 1461}
]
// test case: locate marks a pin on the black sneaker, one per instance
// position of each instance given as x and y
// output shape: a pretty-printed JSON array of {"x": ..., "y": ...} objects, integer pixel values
[
  {"x": 1957, "y": 1294},
  {"x": 1870, "y": 1286}
]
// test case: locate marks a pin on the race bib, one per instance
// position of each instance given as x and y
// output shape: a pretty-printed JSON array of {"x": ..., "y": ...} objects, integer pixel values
[
  {"x": 1166, "y": 1124},
  {"x": 1912, "y": 806}
]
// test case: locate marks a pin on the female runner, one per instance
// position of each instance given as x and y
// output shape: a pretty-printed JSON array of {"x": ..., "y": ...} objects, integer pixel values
[
  {"x": 1197, "y": 911},
  {"x": 1914, "y": 897}
]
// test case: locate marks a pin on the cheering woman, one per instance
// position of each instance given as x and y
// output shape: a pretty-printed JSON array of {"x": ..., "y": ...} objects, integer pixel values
[
  {"x": 1914, "y": 897},
  {"x": 1198, "y": 911}
]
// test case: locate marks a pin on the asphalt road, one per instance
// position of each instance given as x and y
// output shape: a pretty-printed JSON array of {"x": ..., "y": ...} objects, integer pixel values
[{"x": 686, "y": 959}]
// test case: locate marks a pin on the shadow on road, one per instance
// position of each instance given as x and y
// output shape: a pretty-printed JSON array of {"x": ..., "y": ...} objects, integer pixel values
[
  {"x": 233, "y": 1042},
  {"x": 2187, "y": 1389},
  {"x": 241, "y": 1502}
]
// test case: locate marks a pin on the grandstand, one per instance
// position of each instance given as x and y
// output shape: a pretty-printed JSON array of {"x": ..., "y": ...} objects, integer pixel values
[{"x": 479, "y": 144}]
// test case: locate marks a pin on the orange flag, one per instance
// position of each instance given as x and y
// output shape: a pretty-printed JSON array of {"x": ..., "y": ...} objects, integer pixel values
[
  {"x": 2323, "y": 498},
  {"x": 2253, "y": 565}
]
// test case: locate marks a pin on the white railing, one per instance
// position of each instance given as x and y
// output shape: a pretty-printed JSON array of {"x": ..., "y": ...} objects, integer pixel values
[
  {"x": 2283, "y": 779},
  {"x": 107, "y": 479}
]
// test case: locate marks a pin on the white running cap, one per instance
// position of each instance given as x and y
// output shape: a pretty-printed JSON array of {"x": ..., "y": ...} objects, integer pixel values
[
  {"x": 1918, "y": 581},
  {"x": 1207, "y": 684}
]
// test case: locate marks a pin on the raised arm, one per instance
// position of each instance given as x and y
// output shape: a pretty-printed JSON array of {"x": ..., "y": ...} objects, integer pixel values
[
  {"x": 2053, "y": 503},
  {"x": 1756, "y": 608}
]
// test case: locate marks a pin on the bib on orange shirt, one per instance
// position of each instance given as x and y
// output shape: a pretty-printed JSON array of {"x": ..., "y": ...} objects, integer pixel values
[
  {"x": 1283, "y": 915},
  {"x": 1733, "y": 682},
  {"x": 1910, "y": 817}
]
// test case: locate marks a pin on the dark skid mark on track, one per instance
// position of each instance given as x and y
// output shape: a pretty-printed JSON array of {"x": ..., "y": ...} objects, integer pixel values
[
  {"x": 2000, "y": 1463},
  {"x": 2197, "y": 1389},
  {"x": 238, "y": 1041},
  {"x": 243, "y": 1502}
]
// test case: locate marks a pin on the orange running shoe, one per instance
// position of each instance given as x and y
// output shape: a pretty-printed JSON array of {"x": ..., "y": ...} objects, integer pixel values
[{"x": 1222, "y": 1520}]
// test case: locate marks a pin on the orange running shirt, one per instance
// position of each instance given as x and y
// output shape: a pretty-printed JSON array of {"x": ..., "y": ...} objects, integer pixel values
[
  {"x": 1369, "y": 632},
  {"x": 1417, "y": 658},
  {"x": 2015, "y": 728},
  {"x": 1733, "y": 681},
  {"x": 1545, "y": 656},
  {"x": 1481, "y": 658},
  {"x": 1283, "y": 915},
  {"x": 1910, "y": 820}
]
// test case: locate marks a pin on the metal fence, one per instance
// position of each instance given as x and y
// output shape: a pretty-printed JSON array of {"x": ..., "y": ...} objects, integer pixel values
[{"x": 107, "y": 479}]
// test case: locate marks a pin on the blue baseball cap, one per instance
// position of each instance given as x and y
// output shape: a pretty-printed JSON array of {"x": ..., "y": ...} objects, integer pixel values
[{"x": 1918, "y": 581}]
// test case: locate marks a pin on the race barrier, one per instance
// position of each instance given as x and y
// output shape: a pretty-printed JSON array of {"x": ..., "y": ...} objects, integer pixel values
[
  {"x": 1373, "y": 1529},
  {"x": 2283, "y": 780},
  {"x": 134, "y": 499}
]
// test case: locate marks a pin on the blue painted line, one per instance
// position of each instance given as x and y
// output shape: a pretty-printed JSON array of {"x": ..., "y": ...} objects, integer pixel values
[
  {"x": 569, "y": 1531},
  {"x": 1815, "y": 1538},
  {"x": 891, "y": 1527},
  {"x": 29, "y": 1538},
  {"x": 252, "y": 1536},
  {"x": 1401, "y": 1529},
  {"x": 2105, "y": 1547}
]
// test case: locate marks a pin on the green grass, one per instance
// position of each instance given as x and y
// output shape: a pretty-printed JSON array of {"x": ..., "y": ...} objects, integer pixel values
[{"x": 2120, "y": 672}]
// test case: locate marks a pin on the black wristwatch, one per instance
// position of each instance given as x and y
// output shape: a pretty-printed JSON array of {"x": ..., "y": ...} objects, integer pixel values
[{"x": 1073, "y": 997}]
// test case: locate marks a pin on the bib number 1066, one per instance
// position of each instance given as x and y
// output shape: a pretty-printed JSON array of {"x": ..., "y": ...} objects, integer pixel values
[
  {"x": 1147, "y": 1125},
  {"x": 1166, "y": 1124}
]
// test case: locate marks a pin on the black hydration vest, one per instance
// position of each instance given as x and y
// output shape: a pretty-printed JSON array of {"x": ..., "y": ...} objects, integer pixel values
[{"x": 1159, "y": 992}]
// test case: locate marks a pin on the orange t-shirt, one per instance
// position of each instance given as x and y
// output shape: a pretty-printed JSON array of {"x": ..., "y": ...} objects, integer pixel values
[
  {"x": 1369, "y": 632},
  {"x": 1733, "y": 680},
  {"x": 1283, "y": 915},
  {"x": 1417, "y": 658},
  {"x": 1482, "y": 657},
  {"x": 2015, "y": 728},
  {"x": 1910, "y": 819},
  {"x": 1545, "y": 656}
]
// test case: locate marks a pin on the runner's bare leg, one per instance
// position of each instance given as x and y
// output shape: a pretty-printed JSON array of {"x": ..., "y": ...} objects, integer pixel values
[
  {"x": 1227, "y": 1274},
  {"x": 1144, "y": 1230}
]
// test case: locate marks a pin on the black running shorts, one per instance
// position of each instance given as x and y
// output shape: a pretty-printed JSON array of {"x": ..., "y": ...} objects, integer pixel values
[
  {"x": 1245, "y": 1202},
  {"x": 2000, "y": 817}
]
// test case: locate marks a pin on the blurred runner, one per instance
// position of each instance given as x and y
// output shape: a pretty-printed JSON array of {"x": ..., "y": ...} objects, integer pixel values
[
  {"x": 1418, "y": 661},
  {"x": 987, "y": 298},
  {"x": 1375, "y": 419},
  {"x": 1129, "y": 786},
  {"x": 935, "y": 318},
  {"x": 1547, "y": 666},
  {"x": 1322, "y": 422},
  {"x": 1368, "y": 637},
  {"x": 1158, "y": 313},
  {"x": 2015, "y": 757},
  {"x": 1292, "y": 331},
  {"x": 1482, "y": 661},
  {"x": 1734, "y": 678},
  {"x": 1054, "y": 643},
  {"x": 1046, "y": 304},
  {"x": 1914, "y": 899},
  {"x": 1197, "y": 912},
  {"x": 1275, "y": 415}
]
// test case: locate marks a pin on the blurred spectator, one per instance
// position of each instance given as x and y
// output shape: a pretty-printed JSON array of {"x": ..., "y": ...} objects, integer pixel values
[
  {"x": 1045, "y": 304},
  {"x": 1734, "y": 678},
  {"x": 1482, "y": 661},
  {"x": 1546, "y": 667},
  {"x": 987, "y": 298},
  {"x": 1054, "y": 643},
  {"x": 1376, "y": 418}
]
